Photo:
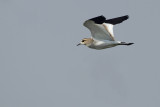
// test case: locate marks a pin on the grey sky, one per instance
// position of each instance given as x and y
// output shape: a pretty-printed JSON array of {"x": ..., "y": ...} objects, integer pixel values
[{"x": 41, "y": 66}]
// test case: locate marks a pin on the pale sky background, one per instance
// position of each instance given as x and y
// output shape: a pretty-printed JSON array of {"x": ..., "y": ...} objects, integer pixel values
[{"x": 41, "y": 66}]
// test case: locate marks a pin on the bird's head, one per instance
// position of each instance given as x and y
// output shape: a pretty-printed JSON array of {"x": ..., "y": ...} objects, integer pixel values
[{"x": 86, "y": 41}]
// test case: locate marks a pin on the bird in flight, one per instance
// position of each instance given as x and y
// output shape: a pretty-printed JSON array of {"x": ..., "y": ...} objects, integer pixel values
[{"x": 102, "y": 32}]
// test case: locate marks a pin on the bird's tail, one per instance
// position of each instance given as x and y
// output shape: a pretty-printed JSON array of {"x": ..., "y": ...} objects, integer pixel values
[{"x": 124, "y": 43}]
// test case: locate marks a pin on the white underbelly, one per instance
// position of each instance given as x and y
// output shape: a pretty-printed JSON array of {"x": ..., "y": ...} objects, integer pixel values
[{"x": 104, "y": 45}]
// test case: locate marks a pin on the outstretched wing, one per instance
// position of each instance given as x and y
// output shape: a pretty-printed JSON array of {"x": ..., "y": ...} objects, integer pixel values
[
  {"x": 101, "y": 28},
  {"x": 117, "y": 20}
]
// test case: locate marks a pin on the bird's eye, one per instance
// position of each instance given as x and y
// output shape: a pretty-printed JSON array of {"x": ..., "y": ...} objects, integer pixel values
[{"x": 83, "y": 40}]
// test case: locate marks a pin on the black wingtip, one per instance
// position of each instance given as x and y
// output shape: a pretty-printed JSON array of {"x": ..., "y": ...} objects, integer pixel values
[
  {"x": 126, "y": 17},
  {"x": 99, "y": 19},
  {"x": 117, "y": 20}
]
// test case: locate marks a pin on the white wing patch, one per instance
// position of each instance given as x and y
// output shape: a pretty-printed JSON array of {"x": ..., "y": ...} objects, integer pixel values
[
  {"x": 100, "y": 31},
  {"x": 110, "y": 28}
]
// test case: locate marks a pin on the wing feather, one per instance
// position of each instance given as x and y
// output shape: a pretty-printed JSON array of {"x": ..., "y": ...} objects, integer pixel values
[
  {"x": 109, "y": 28},
  {"x": 100, "y": 31},
  {"x": 101, "y": 28}
]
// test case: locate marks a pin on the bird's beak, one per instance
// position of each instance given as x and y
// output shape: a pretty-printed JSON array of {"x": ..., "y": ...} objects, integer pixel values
[{"x": 78, "y": 44}]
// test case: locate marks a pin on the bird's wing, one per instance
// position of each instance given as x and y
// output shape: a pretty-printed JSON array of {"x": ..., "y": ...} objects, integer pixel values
[
  {"x": 101, "y": 28},
  {"x": 100, "y": 31}
]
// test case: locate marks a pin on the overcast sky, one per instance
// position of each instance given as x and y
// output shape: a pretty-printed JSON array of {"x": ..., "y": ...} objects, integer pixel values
[{"x": 41, "y": 66}]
